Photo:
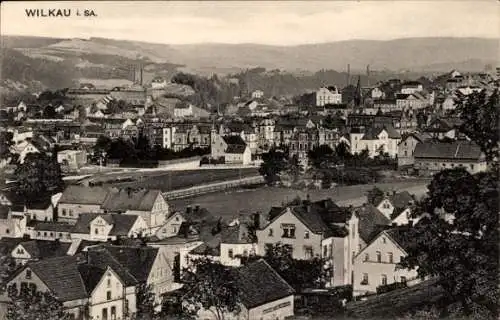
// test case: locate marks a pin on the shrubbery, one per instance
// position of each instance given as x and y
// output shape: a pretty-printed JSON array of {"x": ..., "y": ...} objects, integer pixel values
[{"x": 391, "y": 287}]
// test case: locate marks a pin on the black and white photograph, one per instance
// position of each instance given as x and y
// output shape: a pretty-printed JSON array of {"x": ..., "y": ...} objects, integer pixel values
[{"x": 249, "y": 160}]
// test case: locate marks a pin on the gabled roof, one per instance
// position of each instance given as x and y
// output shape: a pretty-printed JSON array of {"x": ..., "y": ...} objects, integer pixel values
[
  {"x": 83, "y": 195},
  {"x": 260, "y": 284},
  {"x": 126, "y": 199},
  {"x": 400, "y": 236},
  {"x": 102, "y": 258},
  {"x": 137, "y": 260},
  {"x": 401, "y": 199},
  {"x": 41, "y": 249},
  {"x": 91, "y": 275},
  {"x": 51, "y": 226},
  {"x": 320, "y": 217},
  {"x": 61, "y": 276},
  {"x": 371, "y": 222},
  {"x": 236, "y": 234},
  {"x": 122, "y": 223},
  {"x": 443, "y": 150}
]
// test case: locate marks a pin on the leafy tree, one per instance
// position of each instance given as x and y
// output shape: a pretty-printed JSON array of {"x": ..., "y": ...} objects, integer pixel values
[
  {"x": 49, "y": 112},
  {"x": 5, "y": 144},
  {"x": 461, "y": 251},
  {"x": 146, "y": 303},
  {"x": 342, "y": 150},
  {"x": 293, "y": 167},
  {"x": 29, "y": 304},
  {"x": 102, "y": 144},
  {"x": 322, "y": 156},
  {"x": 273, "y": 163},
  {"x": 38, "y": 177},
  {"x": 211, "y": 286},
  {"x": 480, "y": 114},
  {"x": 374, "y": 196}
]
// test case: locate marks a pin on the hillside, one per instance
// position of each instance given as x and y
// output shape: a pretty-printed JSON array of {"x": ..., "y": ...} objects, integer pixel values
[{"x": 53, "y": 62}]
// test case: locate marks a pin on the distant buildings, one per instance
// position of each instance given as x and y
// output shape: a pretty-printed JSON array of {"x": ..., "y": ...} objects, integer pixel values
[{"x": 327, "y": 95}]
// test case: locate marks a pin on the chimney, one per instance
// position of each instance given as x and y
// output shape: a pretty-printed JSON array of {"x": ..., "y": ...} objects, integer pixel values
[
  {"x": 308, "y": 197},
  {"x": 348, "y": 74},
  {"x": 133, "y": 77},
  {"x": 368, "y": 75},
  {"x": 141, "y": 75},
  {"x": 393, "y": 192},
  {"x": 188, "y": 209}
]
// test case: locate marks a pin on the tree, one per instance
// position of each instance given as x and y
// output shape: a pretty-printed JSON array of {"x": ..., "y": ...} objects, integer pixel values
[
  {"x": 5, "y": 144},
  {"x": 461, "y": 251},
  {"x": 321, "y": 157},
  {"x": 49, "y": 112},
  {"x": 38, "y": 177},
  {"x": 211, "y": 286},
  {"x": 293, "y": 167},
  {"x": 374, "y": 196},
  {"x": 273, "y": 163},
  {"x": 146, "y": 303},
  {"x": 480, "y": 114},
  {"x": 7, "y": 267},
  {"x": 342, "y": 150},
  {"x": 29, "y": 304},
  {"x": 102, "y": 144}
]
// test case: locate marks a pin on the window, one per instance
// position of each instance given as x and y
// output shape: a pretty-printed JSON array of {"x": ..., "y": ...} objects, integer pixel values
[
  {"x": 268, "y": 247},
  {"x": 109, "y": 283},
  {"x": 308, "y": 252},
  {"x": 63, "y": 212},
  {"x": 367, "y": 257},
  {"x": 288, "y": 231},
  {"x": 70, "y": 212},
  {"x": 306, "y": 235},
  {"x": 472, "y": 167},
  {"x": 60, "y": 235},
  {"x": 379, "y": 256},
  {"x": 45, "y": 234},
  {"x": 403, "y": 279},
  {"x": 51, "y": 234},
  {"x": 352, "y": 257},
  {"x": 7, "y": 231},
  {"x": 270, "y": 232},
  {"x": 105, "y": 314},
  {"x": 174, "y": 229},
  {"x": 113, "y": 313},
  {"x": 384, "y": 280},
  {"x": 20, "y": 251},
  {"x": 28, "y": 274},
  {"x": 38, "y": 233},
  {"x": 108, "y": 295},
  {"x": 401, "y": 259},
  {"x": 96, "y": 231},
  {"x": 230, "y": 253},
  {"x": 384, "y": 241},
  {"x": 325, "y": 251},
  {"x": 390, "y": 257},
  {"x": 365, "y": 279}
]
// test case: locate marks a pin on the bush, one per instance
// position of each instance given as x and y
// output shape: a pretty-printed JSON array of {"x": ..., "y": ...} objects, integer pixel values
[{"x": 391, "y": 287}]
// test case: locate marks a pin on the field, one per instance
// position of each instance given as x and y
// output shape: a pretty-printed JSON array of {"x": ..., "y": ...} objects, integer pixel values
[
  {"x": 174, "y": 180},
  {"x": 231, "y": 203}
]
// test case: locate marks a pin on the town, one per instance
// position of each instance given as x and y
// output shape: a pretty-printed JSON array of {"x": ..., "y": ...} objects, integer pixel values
[{"x": 179, "y": 195}]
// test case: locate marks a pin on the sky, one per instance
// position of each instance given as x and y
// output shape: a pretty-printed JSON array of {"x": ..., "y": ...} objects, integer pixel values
[{"x": 265, "y": 22}]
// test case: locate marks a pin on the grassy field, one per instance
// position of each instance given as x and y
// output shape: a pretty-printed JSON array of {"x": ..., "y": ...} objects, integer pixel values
[
  {"x": 229, "y": 204},
  {"x": 174, "y": 180}
]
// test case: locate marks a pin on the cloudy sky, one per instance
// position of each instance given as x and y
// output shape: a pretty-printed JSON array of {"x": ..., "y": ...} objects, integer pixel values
[{"x": 279, "y": 23}]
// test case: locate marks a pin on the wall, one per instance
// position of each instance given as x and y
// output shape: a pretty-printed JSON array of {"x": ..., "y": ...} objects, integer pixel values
[
  {"x": 171, "y": 227},
  {"x": 279, "y": 309},
  {"x": 41, "y": 214},
  {"x": 375, "y": 269},
  {"x": 240, "y": 249},
  {"x": 435, "y": 165},
  {"x": 70, "y": 212},
  {"x": 406, "y": 150},
  {"x": 297, "y": 243}
]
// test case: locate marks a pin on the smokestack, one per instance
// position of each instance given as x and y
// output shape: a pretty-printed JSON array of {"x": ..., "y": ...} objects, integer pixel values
[
  {"x": 368, "y": 75},
  {"x": 141, "y": 75},
  {"x": 133, "y": 76},
  {"x": 348, "y": 74}
]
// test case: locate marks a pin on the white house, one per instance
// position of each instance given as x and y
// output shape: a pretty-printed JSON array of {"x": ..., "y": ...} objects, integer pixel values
[
  {"x": 232, "y": 148},
  {"x": 378, "y": 263},
  {"x": 104, "y": 227},
  {"x": 257, "y": 94},
  {"x": 411, "y": 87},
  {"x": 327, "y": 95},
  {"x": 375, "y": 140},
  {"x": 171, "y": 227},
  {"x": 11, "y": 225}
]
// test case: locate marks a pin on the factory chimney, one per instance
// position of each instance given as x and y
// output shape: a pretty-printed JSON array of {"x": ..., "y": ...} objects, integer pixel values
[{"x": 348, "y": 74}]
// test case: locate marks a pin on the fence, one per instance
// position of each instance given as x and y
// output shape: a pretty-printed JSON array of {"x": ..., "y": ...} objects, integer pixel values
[{"x": 213, "y": 187}]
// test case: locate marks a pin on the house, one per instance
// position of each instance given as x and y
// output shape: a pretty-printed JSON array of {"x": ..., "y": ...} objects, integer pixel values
[
  {"x": 232, "y": 148},
  {"x": 327, "y": 95},
  {"x": 264, "y": 294},
  {"x": 52, "y": 231},
  {"x": 171, "y": 227},
  {"x": 377, "y": 94},
  {"x": 148, "y": 204},
  {"x": 34, "y": 250},
  {"x": 236, "y": 242},
  {"x": 11, "y": 225},
  {"x": 407, "y": 145},
  {"x": 444, "y": 128},
  {"x": 23, "y": 149},
  {"x": 376, "y": 140},
  {"x": 303, "y": 141},
  {"x": 158, "y": 83},
  {"x": 72, "y": 159},
  {"x": 182, "y": 110},
  {"x": 104, "y": 227},
  {"x": 414, "y": 101},
  {"x": 378, "y": 263},
  {"x": 411, "y": 87},
  {"x": 147, "y": 265},
  {"x": 86, "y": 291},
  {"x": 433, "y": 156},
  {"x": 312, "y": 229},
  {"x": 396, "y": 206},
  {"x": 76, "y": 200},
  {"x": 257, "y": 94}
]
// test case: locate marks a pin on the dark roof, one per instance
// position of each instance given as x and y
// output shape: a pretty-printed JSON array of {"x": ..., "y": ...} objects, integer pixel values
[
  {"x": 102, "y": 258},
  {"x": 83, "y": 195},
  {"x": 51, "y": 226},
  {"x": 236, "y": 234},
  {"x": 400, "y": 235},
  {"x": 122, "y": 223},
  {"x": 4, "y": 212},
  {"x": 236, "y": 139},
  {"x": 41, "y": 249},
  {"x": 401, "y": 199},
  {"x": 205, "y": 249},
  {"x": 260, "y": 284},
  {"x": 137, "y": 260},
  {"x": 371, "y": 222},
  {"x": 91, "y": 275},
  {"x": 8, "y": 244},
  {"x": 448, "y": 150},
  {"x": 124, "y": 199},
  {"x": 39, "y": 205},
  {"x": 322, "y": 216},
  {"x": 61, "y": 276}
]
